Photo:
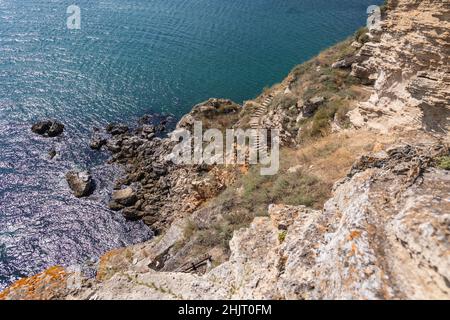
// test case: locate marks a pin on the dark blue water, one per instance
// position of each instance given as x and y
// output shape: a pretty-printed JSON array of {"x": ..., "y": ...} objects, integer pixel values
[{"x": 130, "y": 57}]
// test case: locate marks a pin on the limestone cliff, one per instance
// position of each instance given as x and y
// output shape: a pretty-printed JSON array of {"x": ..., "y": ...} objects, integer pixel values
[
  {"x": 408, "y": 62},
  {"x": 383, "y": 235},
  {"x": 380, "y": 141}
]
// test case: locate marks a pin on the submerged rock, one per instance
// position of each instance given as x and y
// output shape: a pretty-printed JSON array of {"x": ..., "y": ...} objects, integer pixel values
[
  {"x": 97, "y": 142},
  {"x": 81, "y": 183},
  {"x": 48, "y": 128},
  {"x": 52, "y": 153}
]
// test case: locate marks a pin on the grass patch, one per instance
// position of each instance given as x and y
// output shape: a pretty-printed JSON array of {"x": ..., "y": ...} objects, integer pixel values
[
  {"x": 282, "y": 236},
  {"x": 444, "y": 163},
  {"x": 296, "y": 188},
  {"x": 361, "y": 35},
  {"x": 217, "y": 233}
]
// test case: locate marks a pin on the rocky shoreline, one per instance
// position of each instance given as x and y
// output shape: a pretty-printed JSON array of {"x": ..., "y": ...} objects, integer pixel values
[
  {"x": 152, "y": 186},
  {"x": 359, "y": 209}
]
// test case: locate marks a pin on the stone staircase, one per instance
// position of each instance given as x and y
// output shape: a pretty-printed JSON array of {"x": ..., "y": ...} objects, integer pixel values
[{"x": 255, "y": 124}]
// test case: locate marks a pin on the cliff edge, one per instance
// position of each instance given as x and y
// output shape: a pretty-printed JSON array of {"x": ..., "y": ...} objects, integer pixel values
[{"x": 359, "y": 210}]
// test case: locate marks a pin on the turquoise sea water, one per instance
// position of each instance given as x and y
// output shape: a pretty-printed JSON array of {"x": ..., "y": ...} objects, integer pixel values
[{"x": 130, "y": 57}]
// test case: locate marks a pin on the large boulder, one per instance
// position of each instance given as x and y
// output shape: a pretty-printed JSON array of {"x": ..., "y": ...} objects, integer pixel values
[
  {"x": 310, "y": 106},
  {"x": 48, "y": 128},
  {"x": 81, "y": 183},
  {"x": 125, "y": 197},
  {"x": 345, "y": 63}
]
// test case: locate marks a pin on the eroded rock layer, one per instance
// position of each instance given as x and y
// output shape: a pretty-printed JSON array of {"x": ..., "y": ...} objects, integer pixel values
[
  {"x": 383, "y": 235},
  {"x": 408, "y": 61}
]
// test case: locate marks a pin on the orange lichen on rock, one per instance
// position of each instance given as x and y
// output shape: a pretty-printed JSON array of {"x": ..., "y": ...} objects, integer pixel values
[
  {"x": 354, "y": 235},
  {"x": 49, "y": 284},
  {"x": 112, "y": 262}
]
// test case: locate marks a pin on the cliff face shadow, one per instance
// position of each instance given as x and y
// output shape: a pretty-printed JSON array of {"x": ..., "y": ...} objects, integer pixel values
[{"x": 436, "y": 119}]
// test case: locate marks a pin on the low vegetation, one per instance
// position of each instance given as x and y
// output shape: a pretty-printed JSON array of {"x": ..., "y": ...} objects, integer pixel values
[
  {"x": 305, "y": 176},
  {"x": 361, "y": 35},
  {"x": 282, "y": 236},
  {"x": 444, "y": 163},
  {"x": 317, "y": 78}
]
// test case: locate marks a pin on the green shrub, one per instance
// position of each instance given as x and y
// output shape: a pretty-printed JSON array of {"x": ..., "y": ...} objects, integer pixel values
[
  {"x": 282, "y": 236},
  {"x": 297, "y": 188},
  {"x": 444, "y": 163},
  {"x": 361, "y": 35},
  {"x": 284, "y": 101}
]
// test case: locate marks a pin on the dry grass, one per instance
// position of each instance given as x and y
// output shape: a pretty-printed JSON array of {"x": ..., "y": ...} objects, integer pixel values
[
  {"x": 308, "y": 173},
  {"x": 318, "y": 166},
  {"x": 331, "y": 157},
  {"x": 342, "y": 91}
]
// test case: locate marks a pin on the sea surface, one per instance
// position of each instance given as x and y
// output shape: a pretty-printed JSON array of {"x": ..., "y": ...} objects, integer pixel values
[{"x": 130, "y": 58}]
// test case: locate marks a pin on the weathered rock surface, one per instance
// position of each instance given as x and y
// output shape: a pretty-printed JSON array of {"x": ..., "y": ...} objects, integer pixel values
[
  {"x": 408, "y": 61},
  {"x": 162, "y": 191},
  {"x": 383, "y": 235},
  {"x": 309, "y": 107},
  {"x": 80, "y": 182},
  {"x": 48, "y": 128}
]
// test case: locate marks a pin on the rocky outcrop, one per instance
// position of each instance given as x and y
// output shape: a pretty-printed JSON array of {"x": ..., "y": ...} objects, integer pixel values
[
  {"x": 49, "y": 284},
  {"x": 163, "y": 192},
  {"x": 375, "y": 246},
  {"x": 383, "y": 235},
  {"x": 125, "y": 197},
  {"x": 408, "y": 62},
  {"x": 309, "y": 107},
  {"x": 80, "y": 182},
  {"x": 48, "y": 128}
]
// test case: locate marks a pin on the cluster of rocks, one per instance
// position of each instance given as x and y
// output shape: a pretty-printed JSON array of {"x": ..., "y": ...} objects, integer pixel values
[
  {"x": 142, "y": 153},
  {"x": 153, "y": 189},
  {"x": 48, "y": 128},
  {"x": 345, "y": 63}
]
